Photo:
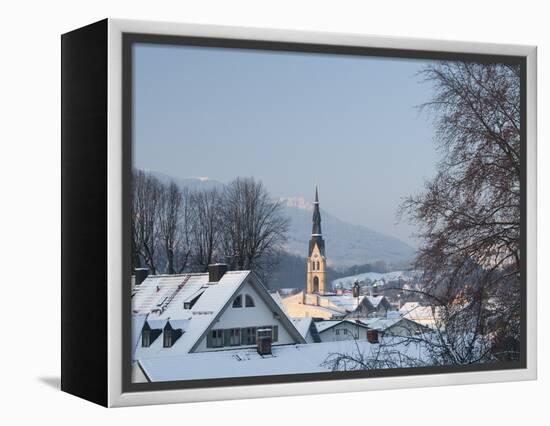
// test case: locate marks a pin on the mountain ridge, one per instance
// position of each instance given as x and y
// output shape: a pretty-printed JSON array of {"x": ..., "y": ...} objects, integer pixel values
[{"x": 347, "y": 244}]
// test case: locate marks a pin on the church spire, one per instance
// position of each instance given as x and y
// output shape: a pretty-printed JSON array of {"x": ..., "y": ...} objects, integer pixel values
[
  {"x": 316, "y": 215},
  {"x": 316, "y": 261}
]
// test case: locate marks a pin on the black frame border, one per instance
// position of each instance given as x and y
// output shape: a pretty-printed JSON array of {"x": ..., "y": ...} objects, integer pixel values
[{"x": 129, "y": 39}]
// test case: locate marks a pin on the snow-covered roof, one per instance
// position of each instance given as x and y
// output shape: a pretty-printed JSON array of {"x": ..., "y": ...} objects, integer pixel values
[
  {"x": 302, "y": 325},
  {"x": 415, "y": 311},
  {"x": 156, "y": 323},
  {"x": 325, "y": 325},
  {"x": 380, "y": 324},
  {"x": 287, "y": 359},
  {"x": 170, "y": 292},
  {"x": 375, "y": 300},
  {"x": 278, "y": 300},
  {"x": 345, "y": 301},
  {"x": 137, "y": 325},
  {"x": 161, "y": 298}
]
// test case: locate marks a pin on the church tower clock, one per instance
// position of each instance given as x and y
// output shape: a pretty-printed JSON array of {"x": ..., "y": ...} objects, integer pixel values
[{"x": 316, "y": 260}]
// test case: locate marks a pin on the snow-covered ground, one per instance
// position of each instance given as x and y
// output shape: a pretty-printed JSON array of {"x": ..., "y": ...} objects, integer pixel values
[{"x": 347, "y": 282}]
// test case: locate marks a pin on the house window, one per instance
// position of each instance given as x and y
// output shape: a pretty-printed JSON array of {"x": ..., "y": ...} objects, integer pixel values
[
  {"x": 248, "y": 336},
  {"x": 167, "y": 339},
  {"x": 337, "y": 332},
  {"x": 238, "y": 302},
  {"x": 233, "y": 337},
  {"x": 216, "y": 339},
  {"x": 249, "y": 302},
  {"x": 345, "y": 331},
  {"x": 146, "y": 338}
]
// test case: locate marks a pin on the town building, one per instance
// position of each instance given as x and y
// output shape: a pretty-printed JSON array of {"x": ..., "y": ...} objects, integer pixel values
[
  {"x": 338, "y": 330},
  {"x": 181, "y": 314},
  {"x": 316, "y": 301},
  {"x": 395, "y": 325}
]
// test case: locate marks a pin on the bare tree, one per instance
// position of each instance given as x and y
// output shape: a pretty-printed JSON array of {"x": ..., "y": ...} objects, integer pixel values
[
  {"x": 470, "y": 212},
  {"x": 205, "y": 228},
  {"x": 390, "y": 353},
  {"x": 254, "y": 228},
  {"x": 173, "y": 224},
  {"x": 469, "y": 218},
  {"x": 146, "y": 192}
]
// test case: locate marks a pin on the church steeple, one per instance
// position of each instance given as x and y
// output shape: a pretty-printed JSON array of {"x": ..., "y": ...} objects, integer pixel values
[
  {"x": 316, "y": 215},
  {"x": 316, "y": 261}
]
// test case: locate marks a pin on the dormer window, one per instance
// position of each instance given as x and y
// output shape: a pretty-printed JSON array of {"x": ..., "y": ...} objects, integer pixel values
[
  {"x": 167, "y": 342},
  {"x": 146, "y": 338},
  {"x": 170, "y": 335},
  {"x": 149, "y": 335},
  {"x": 238, "y": 302},
  {"x": 248, "y": 301},
  {"x": 188, "y": 304}
]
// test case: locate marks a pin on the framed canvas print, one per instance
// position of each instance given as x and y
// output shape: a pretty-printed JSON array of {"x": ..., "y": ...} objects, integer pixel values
[{"x": 252, "y": 212}]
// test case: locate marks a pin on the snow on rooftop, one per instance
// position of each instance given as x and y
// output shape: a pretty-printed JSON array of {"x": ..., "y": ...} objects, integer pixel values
[
  {"x": 323, "y": 325},
  {"x": 375, "y": 300},
  {"x": 345, "y": 301},
  {"x": 278, "y": 300},
  {"x": 169, "y": 293},
  {"x": 381, "y": 324},
  {"x": 415, "y": 311},
  {"x": 302, "y": 325},
  {"x": 288, "y": 359}
]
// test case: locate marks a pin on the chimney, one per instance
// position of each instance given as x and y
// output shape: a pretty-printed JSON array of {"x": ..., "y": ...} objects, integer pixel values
[
  {"x": 264, "y": 339},
  {"x": 216, "y": 271},
  {"x": 372, "y": 335},
  {"x": 140, "y": 274}
]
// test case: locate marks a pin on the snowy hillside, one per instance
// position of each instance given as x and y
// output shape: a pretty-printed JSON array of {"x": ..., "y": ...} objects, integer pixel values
[
  {"x": 347, "y": 244},
  {"x": 347, "y": 282}
]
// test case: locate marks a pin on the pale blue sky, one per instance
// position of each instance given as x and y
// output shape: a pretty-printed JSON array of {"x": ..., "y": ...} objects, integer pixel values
[{"x": 291, "y": 120}]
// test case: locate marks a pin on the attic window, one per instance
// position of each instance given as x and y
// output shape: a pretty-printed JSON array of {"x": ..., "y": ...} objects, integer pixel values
[
  {"x": 167, "y": 343},
  {"x": 249, "y": 302},
  {"x": 146, "y": 338},
  {"x": 238, "y": 302},
  {"x": 170, "y": 336}
]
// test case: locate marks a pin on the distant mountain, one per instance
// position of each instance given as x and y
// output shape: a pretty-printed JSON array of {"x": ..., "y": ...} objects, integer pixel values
[
  {"x": 193, "y": 183},
  {"x": 346, "y": 244}
]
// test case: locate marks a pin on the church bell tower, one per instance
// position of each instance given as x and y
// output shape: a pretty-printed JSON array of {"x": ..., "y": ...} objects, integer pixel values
[{"x": 316, "y": 260}]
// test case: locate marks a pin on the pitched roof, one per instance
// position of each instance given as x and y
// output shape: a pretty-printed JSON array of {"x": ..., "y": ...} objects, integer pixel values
[
  {"x": 302, "y": 325},
  {"x": 375, "y": 300},
  {"x": 325, "y": 325},
  {"x": 416, "y": 312},
  {"x": 161, "y": 298}
]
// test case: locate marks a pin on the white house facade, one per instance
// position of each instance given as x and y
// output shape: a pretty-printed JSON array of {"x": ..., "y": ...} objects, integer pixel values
[{"x": 187, "y": 313}]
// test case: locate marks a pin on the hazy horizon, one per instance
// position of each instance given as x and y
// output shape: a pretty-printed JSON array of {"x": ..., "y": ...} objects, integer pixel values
[{"x": 292, "y": 120}]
